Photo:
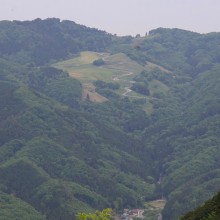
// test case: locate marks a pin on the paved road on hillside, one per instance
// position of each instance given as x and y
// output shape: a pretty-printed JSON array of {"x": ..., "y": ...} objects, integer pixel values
[
  {"x": 127, "y": 88},
  {"x": 130, "y": 82},
  {"x": 159, "y": 217}
]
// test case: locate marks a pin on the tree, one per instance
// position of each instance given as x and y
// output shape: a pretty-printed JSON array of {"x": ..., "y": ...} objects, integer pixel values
[
  {"x": 98, "y": 62},
  {"x": 105, "y": 214}
]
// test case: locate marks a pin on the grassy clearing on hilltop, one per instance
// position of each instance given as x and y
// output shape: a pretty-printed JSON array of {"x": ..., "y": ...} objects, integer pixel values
[
  {"x": 82, "y": 68},
  {"x": 118, "y": 68},
  {"x": 117, "y": 65}
]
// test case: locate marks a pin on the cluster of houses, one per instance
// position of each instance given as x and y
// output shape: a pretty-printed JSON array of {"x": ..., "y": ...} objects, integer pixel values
[{"x": 130, "y": 214}]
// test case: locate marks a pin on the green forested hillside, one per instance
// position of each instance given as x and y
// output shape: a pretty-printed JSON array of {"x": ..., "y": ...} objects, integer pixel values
[
  {"x": 187, "y": 144},
  {"x": 57, "y": 154},
  {"x": 41, "y": 41},
  {"x": 209, "y": 210},
  {"x": 61, "y": 154},
  {"x": 14, "y": 208},
  {"x": 185, "y": 132},
  {"x": 184, "y": 129}
]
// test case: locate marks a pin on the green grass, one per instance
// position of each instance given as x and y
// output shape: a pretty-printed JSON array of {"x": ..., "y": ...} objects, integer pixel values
[
  {"x": 113, "y": 62},
  {"x": 85, "y": 57},
  {"x": 90, "y": 73},
  {"x": 116, "y": 65},
  {"x": 123, "y": 62}
]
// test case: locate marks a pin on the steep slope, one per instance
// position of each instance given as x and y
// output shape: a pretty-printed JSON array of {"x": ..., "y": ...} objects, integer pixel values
[
  {"x": 185, "y": 132},
  {"x": 188, "y": 148},
  {"x": 209, "y": 210},
  {"x": 14, "y": 208},
  {"x": 57, "y": 156},
  {"x": 41, "y": 41}
]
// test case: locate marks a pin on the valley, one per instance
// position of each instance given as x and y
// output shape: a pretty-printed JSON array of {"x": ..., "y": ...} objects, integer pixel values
[{"x": 90, "y": 121}]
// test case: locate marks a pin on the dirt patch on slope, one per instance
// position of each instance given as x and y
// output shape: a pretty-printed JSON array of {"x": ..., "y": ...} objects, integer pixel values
[
  {"x": 153, "y": 65},
  {"x": 90, "y": 93}
]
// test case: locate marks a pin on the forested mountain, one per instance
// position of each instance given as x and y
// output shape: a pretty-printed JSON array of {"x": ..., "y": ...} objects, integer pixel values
[
  {"x": 53, "y": 150},
  {"x": 209, "y": 210},
  {"x": 61, "y": 154},
  {"x": 41, "y": 41}
]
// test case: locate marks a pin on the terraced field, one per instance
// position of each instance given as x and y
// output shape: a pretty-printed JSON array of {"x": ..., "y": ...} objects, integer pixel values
[{"x": 118, "y": 68}]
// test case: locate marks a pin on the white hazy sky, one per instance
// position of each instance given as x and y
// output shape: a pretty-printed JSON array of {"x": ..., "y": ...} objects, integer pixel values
[{"x": 121, "y": 17}]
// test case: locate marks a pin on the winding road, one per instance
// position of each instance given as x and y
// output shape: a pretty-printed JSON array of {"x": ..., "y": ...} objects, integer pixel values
[
  {"x": 127, "y": 88},
  {"x": 159, "y": 217}
]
